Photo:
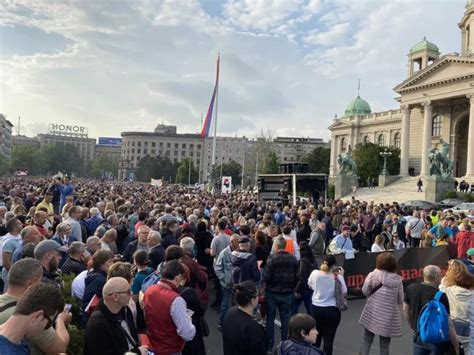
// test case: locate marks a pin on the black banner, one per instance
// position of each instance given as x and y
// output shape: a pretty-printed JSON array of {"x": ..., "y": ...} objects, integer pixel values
[{"x": 410, "y": 264}]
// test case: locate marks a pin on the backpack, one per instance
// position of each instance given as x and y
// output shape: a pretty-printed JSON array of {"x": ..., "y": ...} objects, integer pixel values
[
  {"x": 433, "y": 322},
  {"x": 150, "y": 280}
]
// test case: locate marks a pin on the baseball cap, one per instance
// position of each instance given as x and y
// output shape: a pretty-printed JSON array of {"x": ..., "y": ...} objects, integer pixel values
[
  {"x": 48, "y": 245},
  {"x": 346, "y": 228},
  {"x": 244, "y": 239},
  {"x": 470, "y": 252}
]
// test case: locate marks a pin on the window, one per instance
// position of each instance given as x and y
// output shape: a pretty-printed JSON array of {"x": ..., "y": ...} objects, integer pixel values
[
  {"x": 184, "y": 146},
  {"x": 168, "y": 145},
  {"x": 381, "y": 140},
  {"x": 396, "y": 140},
  {"x": 139, "y": 151},
  {"x": 366, "y": 139},
  {"x": 153, "y": 144},
  {"x": 133, "y": 144},
  {"x": 176, "y": 145},
  {"x": 139, "y": 144},
  {"x": 199, "y": 146},
  {"x": 437, "y": 125},
  {"x": 343, "y": 145},
  {"x": 146, "y": 144},
  {"x": 161, "y": 144}
]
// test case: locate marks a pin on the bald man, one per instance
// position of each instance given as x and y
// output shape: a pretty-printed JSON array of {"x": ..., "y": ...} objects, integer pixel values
[
  {"x": 416, "y": 296},
  {"x": 111, "y": 329},
  {"x": 28, "y": 235}
]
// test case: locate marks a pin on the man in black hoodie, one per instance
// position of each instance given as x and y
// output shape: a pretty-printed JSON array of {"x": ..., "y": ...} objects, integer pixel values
[{"x": 244, "y": 263}]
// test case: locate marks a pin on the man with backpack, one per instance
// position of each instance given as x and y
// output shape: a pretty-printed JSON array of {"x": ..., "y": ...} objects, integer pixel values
[
  {"x": 244, "y": 263},
  {"x": 427, "y": 310}
]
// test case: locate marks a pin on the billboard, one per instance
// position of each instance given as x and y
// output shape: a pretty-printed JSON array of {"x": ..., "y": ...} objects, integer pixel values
[
  {"x": 226, "y": 184},
  {"x": 110, "y": 141},
  {"x": 67, "y": 130}
]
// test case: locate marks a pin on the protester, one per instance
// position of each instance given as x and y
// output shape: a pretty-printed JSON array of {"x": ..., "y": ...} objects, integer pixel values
[
  {"x": 458, "y": 284},
  {"x": 48, "y": 253},
  {"x": 28, "y": 235},
  {"x": 469, "y": 261},
  {"x": 111, "y": 329},
  {"x": 324, "y": 309},
  {"x": 24, "y": 274},
  {"x": 464, "y": 240},
  {"x": 169, "y": 325},
  {"x": 378, "y": 245},
  {"x": 303, "y": 293},
  {"x": 317, "y": 238},
  {"x": 241, "y": 334},
  {"x": 96, "y": 277},
  {"x": 417, "y": 296},
  {"x": 8, "y": 244},
  {"x": 280, "y": 277},
  {"x": 138, "y": 244},
  {"x": 302, "y": 335},
  {"x": 244, "y": 263},
  {"x": 75, "y": 263},
  {"x": 35, "y": 311},
  {"x": 381, "y": 315}
]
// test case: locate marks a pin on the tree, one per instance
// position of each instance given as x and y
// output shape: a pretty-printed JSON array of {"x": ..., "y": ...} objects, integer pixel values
[
  {"x": 4, "y": 165},
  {"x": 155, "y": 168},
  {"x": 271, "y": 163},
  {"x": 62, "y": 157},
  {"x": 231, "y": 168},
  {"x": 25, "y": 157},
  {"x": 103, "y": 166},
  {"x": 369, "y": 163},
  {"x": 318, "y": 160},
  {"x": 182, "y": 173}
]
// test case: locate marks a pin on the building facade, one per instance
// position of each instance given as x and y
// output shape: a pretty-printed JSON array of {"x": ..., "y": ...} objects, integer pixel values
[
  {"x": 5, "y": 136},
  {"x": 24, "y": 140},
  {"x": 295, "y": 149},
  {"x": 436, "y": 102},
  {"x": 84, "y": 145}
]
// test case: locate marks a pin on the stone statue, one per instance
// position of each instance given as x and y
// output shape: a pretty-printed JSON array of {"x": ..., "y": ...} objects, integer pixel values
[
  {"x": 346, "y": 163},
  {"x": 440, "y": 164}
]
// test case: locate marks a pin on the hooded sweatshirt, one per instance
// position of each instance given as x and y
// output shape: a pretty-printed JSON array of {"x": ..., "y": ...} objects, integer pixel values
[
  {"x": 244, "y": 267},
  {"x": 459, "y": 299},
  {"x": 381, "y": 314}
]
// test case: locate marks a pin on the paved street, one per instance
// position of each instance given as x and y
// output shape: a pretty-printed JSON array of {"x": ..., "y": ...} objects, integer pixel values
[{"x": 348, "y": 338}]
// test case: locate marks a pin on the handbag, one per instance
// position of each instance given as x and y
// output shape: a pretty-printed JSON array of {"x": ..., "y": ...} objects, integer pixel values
[{"x": 341, "y": 301}]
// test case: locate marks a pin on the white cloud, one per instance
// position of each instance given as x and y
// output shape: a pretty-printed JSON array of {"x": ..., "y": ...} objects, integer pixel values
[{"x": 334, "y": 36}]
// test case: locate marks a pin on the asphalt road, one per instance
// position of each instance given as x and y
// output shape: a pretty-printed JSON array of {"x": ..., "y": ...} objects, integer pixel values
[{"x": 348, "y": 338}]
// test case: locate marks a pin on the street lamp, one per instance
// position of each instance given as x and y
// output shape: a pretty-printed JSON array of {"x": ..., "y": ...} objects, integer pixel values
[{"x": 385, "y": 154}]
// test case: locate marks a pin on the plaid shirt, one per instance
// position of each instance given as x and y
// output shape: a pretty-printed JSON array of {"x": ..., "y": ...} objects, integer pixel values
[{"x": 281, "y": 273}]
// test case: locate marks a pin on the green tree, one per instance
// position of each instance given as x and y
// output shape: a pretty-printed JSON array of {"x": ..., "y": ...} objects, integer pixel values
[
  {"x": 271, "y": 163},
  {"x": 231, "y": 168},
  {"x": 25, "y": 157},
  {"x": 182, "y": 173},
  {"x": 4, "y": 165},
  {"x": 155, "y": 168},
  {"x": 103, "y": 166},
  {"x": 62, "y": 157},
  {"x": 369, "y": 163},
  {"x": 318, "y": 160}
]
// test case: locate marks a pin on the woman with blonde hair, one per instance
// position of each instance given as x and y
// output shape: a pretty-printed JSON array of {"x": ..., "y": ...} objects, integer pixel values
[
  {"x": 378, "y": 245},
  {"x": 65, "y": 210},
  {"x": 458, "y": 284}
]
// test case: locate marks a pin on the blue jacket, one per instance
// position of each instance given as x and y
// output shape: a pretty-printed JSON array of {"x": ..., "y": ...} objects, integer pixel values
[
  {"x": 95, "y": 281},
  {"x": 93, "y": 223}
]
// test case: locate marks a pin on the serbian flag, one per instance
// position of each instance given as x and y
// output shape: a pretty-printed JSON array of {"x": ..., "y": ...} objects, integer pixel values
[{"x": 206, "y": 128}]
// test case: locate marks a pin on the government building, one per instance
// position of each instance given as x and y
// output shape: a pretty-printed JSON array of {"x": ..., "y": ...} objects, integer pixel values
[{"x": 435, "y": 101}]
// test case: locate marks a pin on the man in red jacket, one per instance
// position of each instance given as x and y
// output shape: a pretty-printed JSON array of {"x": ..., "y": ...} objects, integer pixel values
[
  {"x": 169, "y": 325},
  {"x": 464, "y": 240}
]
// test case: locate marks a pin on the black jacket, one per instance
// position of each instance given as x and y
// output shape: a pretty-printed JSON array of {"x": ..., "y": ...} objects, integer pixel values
[
  {"x": 129, "y": 250},
  {"x": 168, "y": 238},
  {"x": 293, "y": 347},
  {"x": 105, "y": 335},
  {"x": 156, "y": 255}
]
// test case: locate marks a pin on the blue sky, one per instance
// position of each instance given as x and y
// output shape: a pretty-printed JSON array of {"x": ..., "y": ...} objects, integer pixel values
[{"x": 287, "y": 67}]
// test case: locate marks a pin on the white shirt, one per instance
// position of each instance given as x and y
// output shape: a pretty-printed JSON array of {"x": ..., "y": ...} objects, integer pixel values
[
  {"x": 78, "y": 285},
  {"x": 415, "y": 226},
  {"x": 323, "y": 286},
  {"x": 376, "y": 248}
]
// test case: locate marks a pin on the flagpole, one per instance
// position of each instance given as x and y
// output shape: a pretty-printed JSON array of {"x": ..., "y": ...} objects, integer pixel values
[{"x": 213, "y": 161}]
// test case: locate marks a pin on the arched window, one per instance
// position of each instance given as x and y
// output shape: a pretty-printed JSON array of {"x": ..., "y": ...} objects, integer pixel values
[
  {"x": 343, "y": 145},
  {"x": 437, "y": 126},
  {"x": 381, "y": 140},
  {"x": 366, "y": 139},
  {"x": 396, "y": 140}
]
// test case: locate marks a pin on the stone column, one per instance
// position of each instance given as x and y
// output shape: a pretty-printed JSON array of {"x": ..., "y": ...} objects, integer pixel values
[
  {"x": 426, "y": 143},
  {"x": 333, "y": 163},
  {"x": 470, "y": 140},
  {"x": 405, "y": 140}
]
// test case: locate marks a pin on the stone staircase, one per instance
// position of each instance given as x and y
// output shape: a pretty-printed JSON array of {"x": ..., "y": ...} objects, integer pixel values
[{"x": 402, "y": 190}]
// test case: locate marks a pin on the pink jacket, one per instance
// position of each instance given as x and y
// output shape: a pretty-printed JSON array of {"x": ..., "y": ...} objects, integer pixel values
[{"x": 382, "y": 311}]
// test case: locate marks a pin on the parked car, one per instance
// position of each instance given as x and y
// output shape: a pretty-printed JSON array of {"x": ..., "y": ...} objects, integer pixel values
[
  {"x": 464, "y": 207},
  {"x": 419, "y": 204},
  {"x": 449, "y": 202}
]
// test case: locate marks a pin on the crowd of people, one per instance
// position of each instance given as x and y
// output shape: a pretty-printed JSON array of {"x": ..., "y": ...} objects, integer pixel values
[{"x": 147, "y": 264}]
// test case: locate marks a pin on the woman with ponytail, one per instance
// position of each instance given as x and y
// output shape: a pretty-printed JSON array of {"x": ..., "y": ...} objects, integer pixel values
[{"x": 324, "y": 309}]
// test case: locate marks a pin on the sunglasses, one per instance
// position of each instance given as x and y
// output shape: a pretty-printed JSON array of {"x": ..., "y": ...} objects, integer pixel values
[{"x": 50, "y": 321}]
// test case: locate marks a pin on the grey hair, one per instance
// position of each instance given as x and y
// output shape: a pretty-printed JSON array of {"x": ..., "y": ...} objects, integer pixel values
[
  {"x": 187, "y": 244},
  {"x": 62, "y": 226},
  {"x": 92, "y": 239},
  {"x": 192, "y": 218},
  {"x": 25, "y": 231},
  {"x": 279, "y": 243},
  {"x": 94, "y": 211},
  {"x": 155, "y": 234},
  {"x": 431, "y": 273}
]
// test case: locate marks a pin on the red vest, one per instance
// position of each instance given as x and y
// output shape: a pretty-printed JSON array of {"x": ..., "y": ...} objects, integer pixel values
[{"x": 161, "y": 331}]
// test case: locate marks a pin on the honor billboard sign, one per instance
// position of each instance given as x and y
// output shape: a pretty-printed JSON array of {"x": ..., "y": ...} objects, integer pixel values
[{"x": 60, "y": 129}]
